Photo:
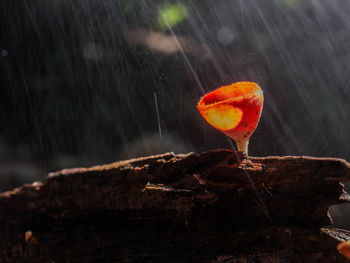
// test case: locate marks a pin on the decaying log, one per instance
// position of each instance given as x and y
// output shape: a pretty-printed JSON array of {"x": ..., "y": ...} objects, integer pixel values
[{"x": 214, "y": 207}]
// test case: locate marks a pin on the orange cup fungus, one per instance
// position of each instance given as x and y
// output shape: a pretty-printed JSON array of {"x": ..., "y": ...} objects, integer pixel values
[{"x": 234, "y": 110}]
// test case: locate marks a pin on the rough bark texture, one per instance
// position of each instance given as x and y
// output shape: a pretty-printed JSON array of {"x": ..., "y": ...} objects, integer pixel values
[{"x": 211, "y": 207}]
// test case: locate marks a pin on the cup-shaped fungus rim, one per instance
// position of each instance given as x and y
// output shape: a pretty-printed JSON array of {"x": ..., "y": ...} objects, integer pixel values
[{"x": 234, "y": 92}]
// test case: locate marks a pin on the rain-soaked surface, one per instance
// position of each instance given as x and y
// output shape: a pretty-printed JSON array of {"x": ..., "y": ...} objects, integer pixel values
[{"x": 86, "y": 82}]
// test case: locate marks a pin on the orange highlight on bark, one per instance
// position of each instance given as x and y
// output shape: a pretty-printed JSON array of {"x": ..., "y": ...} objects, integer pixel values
[{"x": 234, "y": 110}]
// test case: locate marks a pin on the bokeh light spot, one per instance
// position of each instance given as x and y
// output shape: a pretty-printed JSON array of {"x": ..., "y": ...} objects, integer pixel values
[
  {"x": 225, "y": 36},
  {"x": 4, "y": 53}
]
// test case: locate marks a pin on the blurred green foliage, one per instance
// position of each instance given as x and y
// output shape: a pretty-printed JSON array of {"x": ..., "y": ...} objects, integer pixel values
[{"x": 169, "y": 15}]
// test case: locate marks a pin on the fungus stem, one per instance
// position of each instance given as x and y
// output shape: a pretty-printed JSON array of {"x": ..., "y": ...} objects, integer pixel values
[{"x": 242, "y": 146}]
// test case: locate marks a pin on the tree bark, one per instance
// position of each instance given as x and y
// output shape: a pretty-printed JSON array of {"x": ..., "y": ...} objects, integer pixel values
[{"x": 214, "y": 207}]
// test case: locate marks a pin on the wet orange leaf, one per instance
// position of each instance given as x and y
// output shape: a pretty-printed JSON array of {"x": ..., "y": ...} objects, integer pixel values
[{"x": 344, "y": 248}]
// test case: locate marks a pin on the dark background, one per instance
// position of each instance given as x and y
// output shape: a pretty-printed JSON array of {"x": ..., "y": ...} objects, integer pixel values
[{"x": 81, "y": 80}]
